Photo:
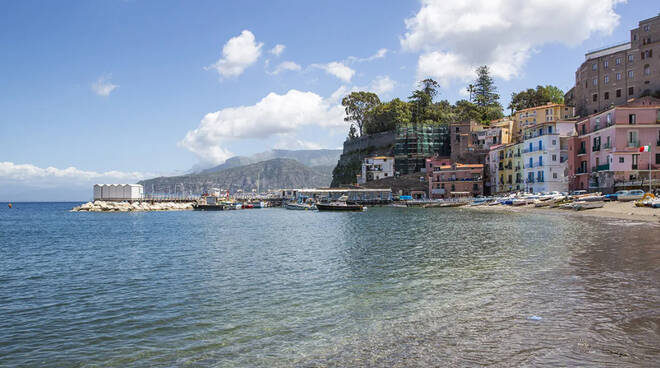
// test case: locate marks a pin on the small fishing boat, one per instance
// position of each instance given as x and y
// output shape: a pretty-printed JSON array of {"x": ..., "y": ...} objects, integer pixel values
[
  {"x": 398, "y": 205},
  {"x": 339, "y": 205},
  {"x": 587, "y": 205},
  {"x": 299, "y": 206}
]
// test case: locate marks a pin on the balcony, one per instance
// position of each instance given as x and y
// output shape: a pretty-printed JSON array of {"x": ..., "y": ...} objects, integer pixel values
[
  {"x": 596, "y": 148},
  {"x": 607, "y": 146},
  {"x": 539, "y": 180},
  {"x": 580, "y": 170},
  {"x": 517, "y": 154},
  {"x": 530, "y": 180},
  {"x": 518, "y": 168},
  {"x": 582, "y": 151},
  {"x": 633, "y": 143},
  {"x": 604, "y": 167}
]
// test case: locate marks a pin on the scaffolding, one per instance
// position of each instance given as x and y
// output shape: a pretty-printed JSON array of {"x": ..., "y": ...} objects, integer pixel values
[{"x": 416, "y": 142}]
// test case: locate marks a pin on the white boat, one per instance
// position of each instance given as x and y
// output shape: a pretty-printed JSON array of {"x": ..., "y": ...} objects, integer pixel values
[
  {"x": 587, "y": 205},
  {"x": 299, "y": 206}
]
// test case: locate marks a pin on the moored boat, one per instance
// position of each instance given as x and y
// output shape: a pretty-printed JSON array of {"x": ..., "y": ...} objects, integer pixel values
[{"x": 587, "y": 205}]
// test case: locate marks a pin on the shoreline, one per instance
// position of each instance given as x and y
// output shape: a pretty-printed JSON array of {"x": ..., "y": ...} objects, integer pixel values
[
  {"x": 108, "y": 206},
  {"x": 611, "y": 210}
]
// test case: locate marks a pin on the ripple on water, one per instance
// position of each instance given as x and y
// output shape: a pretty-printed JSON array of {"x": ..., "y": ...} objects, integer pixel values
[{"x": 390, "y": 287}]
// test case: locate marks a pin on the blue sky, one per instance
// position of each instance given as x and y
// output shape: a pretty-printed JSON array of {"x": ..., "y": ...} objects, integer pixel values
[{"x": 60, "y": 61}]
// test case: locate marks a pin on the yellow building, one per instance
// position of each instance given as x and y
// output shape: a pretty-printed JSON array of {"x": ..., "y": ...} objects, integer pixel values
[{"x": 539, "y": 114}]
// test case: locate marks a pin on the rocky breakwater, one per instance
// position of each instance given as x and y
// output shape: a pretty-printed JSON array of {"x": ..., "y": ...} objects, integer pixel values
[{"x": 103, "y": 206}]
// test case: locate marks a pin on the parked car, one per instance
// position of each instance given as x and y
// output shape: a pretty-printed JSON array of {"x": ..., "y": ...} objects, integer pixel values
[
  {"x": 632, "y": 195},
  {"x": 615, "y": 196}
]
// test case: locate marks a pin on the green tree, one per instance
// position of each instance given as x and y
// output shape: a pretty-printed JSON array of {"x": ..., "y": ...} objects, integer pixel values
[
  {"x": 387, "y": 116},
  {"x": 485, "y": 91},
  {"x": 352, "y": 132},
  {"x": 421, "y": 99},
  {"x": 535, "y": 97},
  {"x": 357, "y": 104}
]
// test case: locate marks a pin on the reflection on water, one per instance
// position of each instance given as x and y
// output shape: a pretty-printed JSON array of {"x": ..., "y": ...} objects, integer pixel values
[{"x": 390, "y": 287}]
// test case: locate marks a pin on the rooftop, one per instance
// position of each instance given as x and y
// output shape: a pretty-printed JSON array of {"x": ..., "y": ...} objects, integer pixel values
[{"x": 549, "y": 104}]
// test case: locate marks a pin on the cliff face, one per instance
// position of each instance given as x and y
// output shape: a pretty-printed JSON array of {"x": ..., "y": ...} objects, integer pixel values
[
  {"x": 271, "y": 174},
  {"x": 355, "y": 150}
]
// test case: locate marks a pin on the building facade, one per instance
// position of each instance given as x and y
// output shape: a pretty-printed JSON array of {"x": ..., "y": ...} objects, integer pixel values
[
  {"x": 539, "y": 114},
  {"x": 447, "y": 181},
  {"x": 612, "y": 75},
  {"x": 415, "y": 142},
  {"x": 376, "y": 168},
  {"x": 545, "y": 155},
  {"x": 608, "y": 156}
]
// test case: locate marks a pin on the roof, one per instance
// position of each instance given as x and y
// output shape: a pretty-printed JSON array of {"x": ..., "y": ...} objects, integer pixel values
[
  {"x": 540, "y": 107},
  {"x": 462, "y": 166}
]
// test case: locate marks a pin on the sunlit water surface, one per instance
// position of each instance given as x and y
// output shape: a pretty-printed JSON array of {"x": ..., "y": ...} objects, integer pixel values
[{"x": 272, "y": 287}]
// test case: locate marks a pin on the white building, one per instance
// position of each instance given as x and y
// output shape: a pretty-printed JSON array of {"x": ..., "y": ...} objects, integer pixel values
[
  {"x": 376, "y": 168},
  {"x": 118, "y": 192},
  {"x": 545, "y": 156}
]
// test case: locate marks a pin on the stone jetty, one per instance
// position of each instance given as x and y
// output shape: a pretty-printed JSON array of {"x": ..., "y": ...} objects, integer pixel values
[{"x": 106, "y": 206}]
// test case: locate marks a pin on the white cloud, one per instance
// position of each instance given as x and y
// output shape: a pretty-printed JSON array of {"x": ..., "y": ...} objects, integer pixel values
[
  {"x": 455, "y": 37},
  {"x": 238, "y": 53},
  {"x": 338, "y": 69},
  {"x": 382, "y": 85},
  {"x": 378, "y": 55},
  {"x": 103, "y": 86},
  {"x": 286, "y": 66},
  {"x": 290, "y": 142},
  {"x": 10, "y": 171},
  {"x": 272, "y": 115},
  {"x": 277, "y": 50}
]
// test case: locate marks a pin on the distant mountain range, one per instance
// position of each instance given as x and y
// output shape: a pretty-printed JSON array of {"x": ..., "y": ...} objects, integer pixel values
[
  {"x": 311, "y": 158},
  {"x": 274, "y": 169}
]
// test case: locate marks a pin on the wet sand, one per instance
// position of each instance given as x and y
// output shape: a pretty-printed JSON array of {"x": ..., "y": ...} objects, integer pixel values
[{"x": 613, "y": 210}]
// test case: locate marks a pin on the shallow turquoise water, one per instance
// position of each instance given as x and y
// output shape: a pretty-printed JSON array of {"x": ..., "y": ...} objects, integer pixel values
[{"x": 271, "y": 287}]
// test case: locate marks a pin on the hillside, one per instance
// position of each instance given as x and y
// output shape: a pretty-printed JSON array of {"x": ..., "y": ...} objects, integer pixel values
[
  {"x": 271, "y": 174},
  {"x": 310, "y": 158}
]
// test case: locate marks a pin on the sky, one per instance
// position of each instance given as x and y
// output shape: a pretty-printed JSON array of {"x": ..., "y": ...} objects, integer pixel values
[{"x": 118, "y": 91}]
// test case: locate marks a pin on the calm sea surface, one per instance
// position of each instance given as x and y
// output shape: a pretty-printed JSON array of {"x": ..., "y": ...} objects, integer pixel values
[{"x": 272, "y": 287}]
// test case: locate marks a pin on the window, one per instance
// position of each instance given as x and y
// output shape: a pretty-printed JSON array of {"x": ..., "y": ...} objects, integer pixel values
[
  {"x": 595, "y": 81},
  {"x": 457, "y": 130},
  {"x": 618, "y": 76},
  {"x": 646, "y": 28},
  {"x": 540, "y": 145},
  {"x": 586, "y": 84},
  {"x": 647, "y": 70},
  {"x": 554, "y": 157},
  {"x": 631, "y": 57},
  {"x": 609, "y": 116},
  {"x": 621, "y": 159},
  {"x": 594, "y": 67},
  {"x": 606, "y": 64},
  {"x": 631, "y": 74},
  {"x": 606, "y": 96},
  {"x": 595, "y": 97},
  {"x": 458, "y": 138},
  {"x": 554, "y": 175},
  {"x": 631, "y": 91},
  {"x": 617, "y": 61},
  {"x": 554, "y": 142},
  {"x": 657, "y": 158},
  {"x": 618, "y": 92},
  {"x": 635, "y": 37},
  {"x": 632, "y": 119},
  {"x": 606, "y": 79},
  {"x": 540, "y": 160}
]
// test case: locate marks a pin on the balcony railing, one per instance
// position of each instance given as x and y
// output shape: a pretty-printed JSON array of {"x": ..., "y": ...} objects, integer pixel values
[
  {"x": 596, "y": 148},
  {"x": 518, "y": 168},
  {"x": 607, "y": 146},
  {"x": 539, "y": 180},
  {"x": 580, "y": 170},
  {"x": 582, "y": 151},
  {"x": 633, "y": 143},
  {"x": 604, "y": 167}
]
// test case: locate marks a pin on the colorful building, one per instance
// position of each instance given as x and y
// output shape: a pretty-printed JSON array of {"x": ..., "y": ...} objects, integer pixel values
[
  {"x": 448, "y": 181},
  {"x": 545, "y": 156},
  {"x": 539, "y": 114},
  {"x": 608, "y": 145}
]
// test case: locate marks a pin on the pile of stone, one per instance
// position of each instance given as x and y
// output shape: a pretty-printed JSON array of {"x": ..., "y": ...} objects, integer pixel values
[{"x": 103, "y": 206}]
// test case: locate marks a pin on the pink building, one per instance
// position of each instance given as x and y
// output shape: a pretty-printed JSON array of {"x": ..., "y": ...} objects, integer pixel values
[
  {"x": 607, "y": 153},
  {"x": 453, "y": 180}
]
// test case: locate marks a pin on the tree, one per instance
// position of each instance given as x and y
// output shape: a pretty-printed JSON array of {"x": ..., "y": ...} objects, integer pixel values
[
  {"x": 352, "y": 132},
  {"x": 535, "y": 97},
  {"x": 357, "y": 104},
  {"x": 485, "y": 92},
  {"x": 422, "y": 98},
  {"x": 387, "y": 116}
]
